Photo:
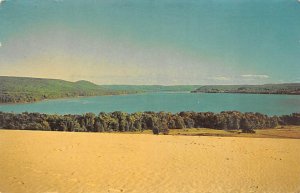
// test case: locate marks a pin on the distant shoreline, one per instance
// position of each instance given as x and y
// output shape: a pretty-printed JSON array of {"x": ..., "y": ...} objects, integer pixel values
[
  {"x": 125, "y": 94},
  {"x": 278, "y": 89},
  {"x": 16, "y": 90},
  {"x": 246, "y": 93},
  {"x": 63, "y": 98}
]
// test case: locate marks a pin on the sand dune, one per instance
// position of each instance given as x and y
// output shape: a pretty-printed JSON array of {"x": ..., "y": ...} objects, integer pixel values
[{"x": 57, "y": 162}]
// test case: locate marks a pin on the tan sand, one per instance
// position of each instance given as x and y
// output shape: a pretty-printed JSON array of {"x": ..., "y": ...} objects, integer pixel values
[{"x": 57, "y": 162}]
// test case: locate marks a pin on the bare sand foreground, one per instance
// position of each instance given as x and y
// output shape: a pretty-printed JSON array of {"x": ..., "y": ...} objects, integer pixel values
[{"x": 57, "y": 162}]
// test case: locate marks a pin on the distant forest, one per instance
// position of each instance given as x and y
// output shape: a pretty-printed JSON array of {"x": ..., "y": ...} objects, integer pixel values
[
  {"x": 158, "y": 122},
  {"x": 291, "y": 88},
  {"x": 22, "y": 90}
]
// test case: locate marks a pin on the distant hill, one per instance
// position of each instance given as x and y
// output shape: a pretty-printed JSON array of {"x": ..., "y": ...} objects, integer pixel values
[
  {"x": 153, "y": 88},
  {"x": 21, "y": 89},
  {"x": 288, "y": 88}
]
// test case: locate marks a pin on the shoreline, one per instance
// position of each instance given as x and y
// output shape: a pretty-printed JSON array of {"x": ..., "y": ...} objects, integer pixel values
[{"x": 63, "y": 98}]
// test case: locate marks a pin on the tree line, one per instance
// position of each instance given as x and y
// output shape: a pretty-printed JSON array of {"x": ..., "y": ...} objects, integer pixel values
[
  {"x": 158, "y": 122},
  {"x": 28, "y": 97}
]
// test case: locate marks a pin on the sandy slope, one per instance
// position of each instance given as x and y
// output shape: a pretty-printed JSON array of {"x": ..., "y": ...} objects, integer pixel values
[{"x": 54, "y": 162}]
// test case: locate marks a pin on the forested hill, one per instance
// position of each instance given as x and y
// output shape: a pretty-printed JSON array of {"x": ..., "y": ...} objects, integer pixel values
[
  {"x": 289, "y": 88},
  {"x": 21, "y": 89}
]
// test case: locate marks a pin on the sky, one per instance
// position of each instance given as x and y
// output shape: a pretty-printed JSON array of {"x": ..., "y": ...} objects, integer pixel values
[{"x": 168, "y": 42}]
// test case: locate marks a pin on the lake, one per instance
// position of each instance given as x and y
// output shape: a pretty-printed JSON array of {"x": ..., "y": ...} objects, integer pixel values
[{"x": 165, "y": 101}]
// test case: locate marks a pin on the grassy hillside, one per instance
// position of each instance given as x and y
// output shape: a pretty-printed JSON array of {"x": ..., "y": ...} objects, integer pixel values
[
  {"x": 291, "y": 88},
  {"x": 19, "y": 89}
]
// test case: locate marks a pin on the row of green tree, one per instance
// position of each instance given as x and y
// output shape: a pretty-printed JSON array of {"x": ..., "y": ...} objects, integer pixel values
[{"x": 158, "y": 122}]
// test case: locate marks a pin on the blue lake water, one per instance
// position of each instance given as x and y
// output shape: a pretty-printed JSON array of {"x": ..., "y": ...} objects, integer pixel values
[{"x": 171, "y": 102}]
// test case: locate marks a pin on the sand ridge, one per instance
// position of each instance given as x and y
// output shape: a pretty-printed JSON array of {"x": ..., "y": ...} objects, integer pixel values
[{"x": 60, "y": 162}]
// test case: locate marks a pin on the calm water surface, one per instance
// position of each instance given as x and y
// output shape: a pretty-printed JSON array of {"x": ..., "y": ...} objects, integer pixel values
[{"x": 171, "y": 102}]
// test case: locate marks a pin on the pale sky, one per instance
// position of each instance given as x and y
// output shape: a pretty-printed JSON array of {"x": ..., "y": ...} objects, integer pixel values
[{"x": 152, "y": 41}]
